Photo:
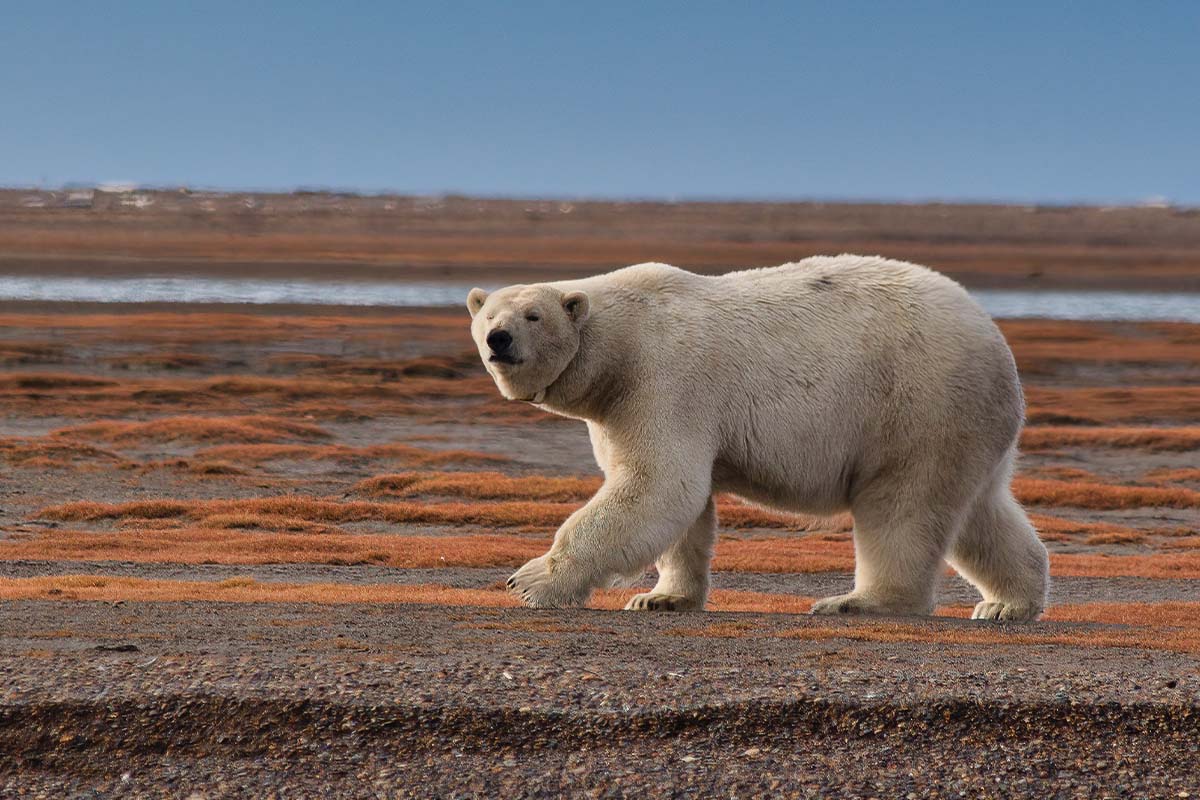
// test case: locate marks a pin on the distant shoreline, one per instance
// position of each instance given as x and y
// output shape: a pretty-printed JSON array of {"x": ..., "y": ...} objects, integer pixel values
[{"x": 452, "y": 238}]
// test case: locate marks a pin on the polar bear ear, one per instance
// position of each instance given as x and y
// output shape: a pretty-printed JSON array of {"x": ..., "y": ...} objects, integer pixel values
[
  {"x": 475, "y": 300},
  {"x": 576, "y": 304}
]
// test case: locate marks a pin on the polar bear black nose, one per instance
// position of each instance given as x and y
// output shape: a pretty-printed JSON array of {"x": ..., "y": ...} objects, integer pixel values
[{"x": 499, "y": 341}]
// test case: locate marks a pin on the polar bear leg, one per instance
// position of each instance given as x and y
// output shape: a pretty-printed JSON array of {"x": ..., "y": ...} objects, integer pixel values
[
  {"x": 683, "y": 569},
  {"x": 999, "y": 552},
  {"x": 623, "y": 529},
  {"x": 900, "y": 539}
]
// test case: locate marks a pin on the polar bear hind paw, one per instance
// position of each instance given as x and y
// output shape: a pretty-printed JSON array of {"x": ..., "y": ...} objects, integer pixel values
[
  {"x": 1008, "y": 612},
  {"x": 844, "y": 604},
  {"x": 653, "y": 601},
  {"x": 854, "y": 603}
]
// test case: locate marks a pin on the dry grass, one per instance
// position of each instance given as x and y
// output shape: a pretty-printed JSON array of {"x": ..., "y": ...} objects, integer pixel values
[
  {"x": 292, "y": 388},
  {"x": 478, "y": 486},
  {"x": 324, "y": 387},
  {"x": 784, "y": 554},
  {"x": 195, "y": 429},
  {"x": 1060, "y": 529},
  {"x": 395, "y": 451},
  {"x": 1101, "y": 565},
  {"x": 213, "y": 468},
  {"x": 1164, "y": 614},
  {"x": 1061, "y": 473},
  {"x": 1125, "y": 537},
  {"x": 224, "y": 537},
  {"x": 1106, "y": 405},
  {"x": 266, "y": 522},
  {"x": 1042, "y": 344},
  {"x": 241, "y": 590},
  {"x": 497, "y": 486},
  {"x": 1182, "y": 475},
  {"x": 1100, "y": 495},
  {"x": 1044, "y": 437},
  {"x": 226, "y": 545},
  {"x": 188, "y": 328},
  {"x": 822, "y": 552},
  {"x": 511, "y": 514},
  {"x": 43, "y": 454}
]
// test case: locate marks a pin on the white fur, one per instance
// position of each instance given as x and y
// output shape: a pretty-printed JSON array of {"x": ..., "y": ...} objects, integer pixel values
[{"x": 831, "y": 384}]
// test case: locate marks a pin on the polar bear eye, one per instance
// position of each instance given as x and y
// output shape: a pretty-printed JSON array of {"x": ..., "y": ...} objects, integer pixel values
[{"x": 532, "y": 317}]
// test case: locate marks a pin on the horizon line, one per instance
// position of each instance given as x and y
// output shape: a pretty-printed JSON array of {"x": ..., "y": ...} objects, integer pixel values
[{"x": 1156, "y": 202}]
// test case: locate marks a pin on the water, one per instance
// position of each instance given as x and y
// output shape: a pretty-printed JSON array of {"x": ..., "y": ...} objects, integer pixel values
[
  {"x": 1009, "y": 303},
  {"x": 1136, "y": 306},
  {"x": 232, "y": 290}
]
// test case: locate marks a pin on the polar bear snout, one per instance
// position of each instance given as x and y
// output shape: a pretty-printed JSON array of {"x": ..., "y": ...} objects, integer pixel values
[{"x": 499, "y": 341}]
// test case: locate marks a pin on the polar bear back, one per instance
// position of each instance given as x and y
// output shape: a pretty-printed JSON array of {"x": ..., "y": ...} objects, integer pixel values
[{"x": 812, "y": 368}]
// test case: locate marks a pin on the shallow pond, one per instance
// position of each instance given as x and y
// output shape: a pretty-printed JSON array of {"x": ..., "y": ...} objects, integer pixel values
[{"x": 1010, "y": 303}]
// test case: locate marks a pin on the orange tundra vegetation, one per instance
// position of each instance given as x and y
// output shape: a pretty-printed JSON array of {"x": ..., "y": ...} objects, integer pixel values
[
  {"x": 403, "y": 453},
  {"x": 508, "y": 514},
  {"x": 367, "y": 379},
  {"x": 539, "y": 489},
  {"x": 478, "y": 485},
  {"x": 1060, "y": 529},
  {"x": 1106, "y": 405},
  {"x": 228, "y": 544},
  {"x": 195, "y": 429},
  {"x": 494, "y": 485},
  {"x": 1033, "y": 491},
  {"x": 35, "y": 453},
  {"x": 205, "y": 545},
  {"x": 201, "y": 328},
  {"x": 497, "y": 486},
  {"x": 223, "y": 540},
  {"x": 1041, "y": 437},
  {"x": 1037, "y": 341},
  {"x": 1182, "y": 475},
  {"x": 515, "y": 513}
]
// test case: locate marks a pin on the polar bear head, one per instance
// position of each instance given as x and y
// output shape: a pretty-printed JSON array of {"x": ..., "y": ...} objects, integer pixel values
[{"x": 527, "y": 335}]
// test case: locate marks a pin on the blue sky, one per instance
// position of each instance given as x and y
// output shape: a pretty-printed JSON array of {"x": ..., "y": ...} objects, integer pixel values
[{"x": 1050, "y": 101}]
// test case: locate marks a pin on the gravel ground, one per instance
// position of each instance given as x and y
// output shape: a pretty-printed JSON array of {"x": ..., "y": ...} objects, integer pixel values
[{"x": 232, "y": 700}]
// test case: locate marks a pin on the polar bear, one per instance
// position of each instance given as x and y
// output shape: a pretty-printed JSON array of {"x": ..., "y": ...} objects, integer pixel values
[{"x": 830, "y": 384}]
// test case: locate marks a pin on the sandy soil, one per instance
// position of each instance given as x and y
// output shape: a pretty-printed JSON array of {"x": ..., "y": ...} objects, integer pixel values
[{"x": 256, "y": 552}]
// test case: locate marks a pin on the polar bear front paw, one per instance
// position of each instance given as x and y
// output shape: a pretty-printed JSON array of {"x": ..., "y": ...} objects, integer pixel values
[
  {"x": 546, "y": 582},
  {"x": 1009, "y": 612},
  {"x": 653, "y": 601}
]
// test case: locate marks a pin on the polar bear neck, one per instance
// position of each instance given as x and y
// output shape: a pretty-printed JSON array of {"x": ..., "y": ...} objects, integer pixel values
[{"x": 603, "y": 366}]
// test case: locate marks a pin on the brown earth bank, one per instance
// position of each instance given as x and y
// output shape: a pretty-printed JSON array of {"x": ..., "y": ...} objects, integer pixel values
[
  {"x": 316, "y": 235},
  {"x": 302, "y": 519}
]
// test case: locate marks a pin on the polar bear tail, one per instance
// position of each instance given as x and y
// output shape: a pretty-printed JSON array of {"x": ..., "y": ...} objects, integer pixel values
[{"x": 999, "y": 552}]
